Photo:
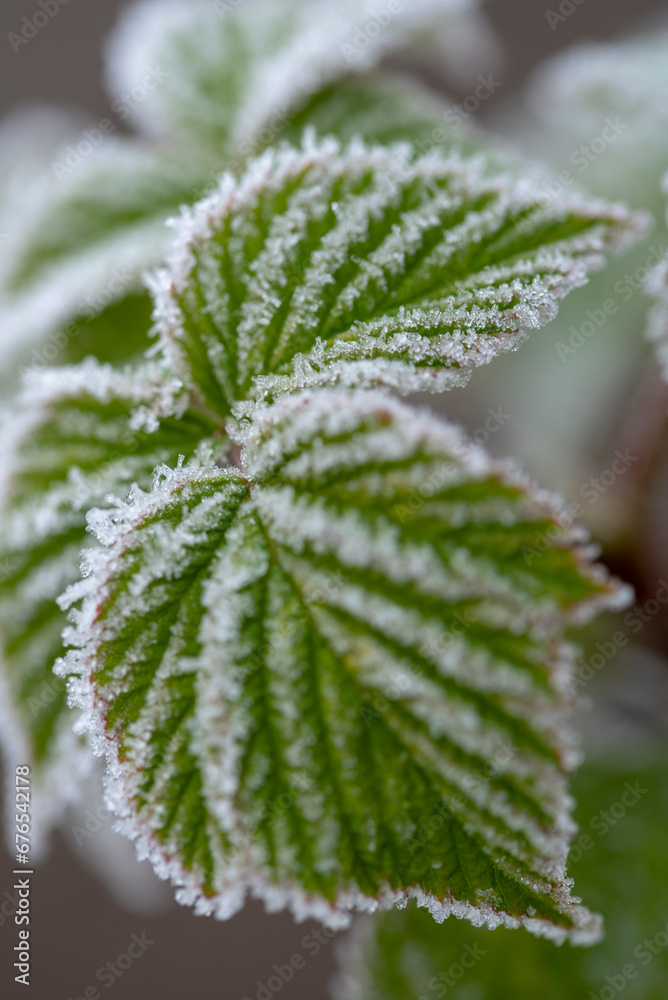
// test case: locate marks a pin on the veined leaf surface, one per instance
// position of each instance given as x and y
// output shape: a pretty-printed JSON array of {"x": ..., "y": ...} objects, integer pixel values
[
  {"x": 334, "y": 677},
  {"x": 368, "y": 267},
  {"x": 405, "y": 956},
  {"x": 70, "y": 443}
]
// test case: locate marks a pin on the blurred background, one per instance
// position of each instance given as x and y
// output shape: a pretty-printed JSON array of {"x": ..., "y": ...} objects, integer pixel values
[{"x": 567, "y": 413}]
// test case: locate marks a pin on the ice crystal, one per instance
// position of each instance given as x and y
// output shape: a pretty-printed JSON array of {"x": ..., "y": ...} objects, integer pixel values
[
  {"x": 368, "y": 266},
  {"x": 331, "y": 678},
  {"x": 69, "y": 443},
  {"x": 321, "y": 636},
  {"x": 404, "y": 955},
  {"x": 79, "y": 231}
]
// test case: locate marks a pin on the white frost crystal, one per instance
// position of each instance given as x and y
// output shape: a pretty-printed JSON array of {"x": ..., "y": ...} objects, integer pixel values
[
  {"x": 294, "y": 666},
  {"x": 321, "y": 639},
  {"x": 83, "y": 219},
  {"x": 368, "y": 266},
  {"x": 69, "y": 442},
  {"x": 235, "y": 70}
]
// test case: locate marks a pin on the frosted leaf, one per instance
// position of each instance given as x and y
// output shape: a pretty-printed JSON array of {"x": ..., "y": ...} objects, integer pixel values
[
  {"x": 657, "y": 286},
  {"x": 78, "y": 233},
  {"x": 234, "y": 71},
  {"x": 600, "y": 110},
  {"x": 80, "y": 240},
  {"x": 69, "y": 443},
  {"x": 628, "y": 79},
  {"x": 335, "y": 677},
  {"x": 405, "y": 955},
  {"x": 368, "y": 266},
  {"x": 384, "y": 108}
]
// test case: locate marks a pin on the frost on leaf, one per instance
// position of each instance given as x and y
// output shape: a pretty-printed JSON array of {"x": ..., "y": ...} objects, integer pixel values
[
  {"x": 80, "y": 232},
  {"x": 335, "y": 677},
  {"x": 234, "y": 73},
  {"x": 367, "y": 266},
  {"x": 383, "y": 108},
  {"x": 77, "y": 242},
  {"x": 68, "y": 445},
  {"x": 603, "y": 105},
  {"x": 406, "y": 956}
]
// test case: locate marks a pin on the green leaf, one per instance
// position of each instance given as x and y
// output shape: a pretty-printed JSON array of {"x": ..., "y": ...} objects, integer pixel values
[
  {"x": 78, "y": 234},
  {"x": 69, "y": 444},
  {"x": 367, "y": 267},
  {"x": 77, "y": 244},
  {"x": 384, "y": 109},
  {"x": 233, "y": 74},
  {"x": 334, "y": 677},
  {"x": 619, "y": 860},
  {"x": 116, "y": 333}
]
